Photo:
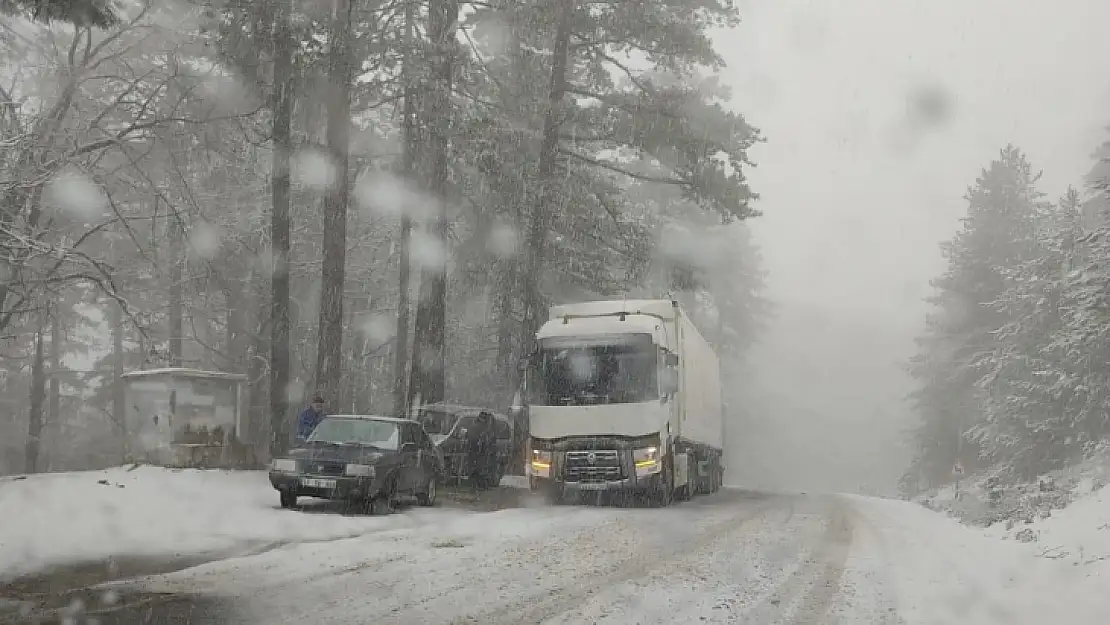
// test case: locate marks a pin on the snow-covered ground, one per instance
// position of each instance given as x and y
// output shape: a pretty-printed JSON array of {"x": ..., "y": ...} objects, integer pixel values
[
  {"x": 1078, "y": 535},
  {"x": 66, "y": 518},
  {"x": 735, "y": 557},
  {"x": 942, "y": 571}
]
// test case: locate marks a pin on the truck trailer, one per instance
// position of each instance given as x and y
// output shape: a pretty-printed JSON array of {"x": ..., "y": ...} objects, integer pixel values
[{"x": 623, "y": 397}]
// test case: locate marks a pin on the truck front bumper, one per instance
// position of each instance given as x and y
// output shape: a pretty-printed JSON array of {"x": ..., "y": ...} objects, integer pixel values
[{"x": 640, "y": 484}]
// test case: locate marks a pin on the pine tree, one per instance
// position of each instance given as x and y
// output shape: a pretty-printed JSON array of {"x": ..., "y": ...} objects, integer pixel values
[
  {"x": 1027, "y": 394},
  {"x": 998, "y": 232}
]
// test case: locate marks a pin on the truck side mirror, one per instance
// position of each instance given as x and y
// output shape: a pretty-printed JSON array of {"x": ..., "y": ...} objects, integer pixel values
[
  {"x": 671, "y": 360},
  {"x": 668, "y": 381},
  {"x": 524, "y": 364}
]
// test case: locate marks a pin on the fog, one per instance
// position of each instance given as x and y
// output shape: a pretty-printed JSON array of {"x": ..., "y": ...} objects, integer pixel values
[{"x": 878, "y": 115}]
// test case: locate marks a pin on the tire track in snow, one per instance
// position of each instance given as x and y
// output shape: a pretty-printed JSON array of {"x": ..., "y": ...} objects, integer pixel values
[
  {"x": 805, "y": 594},
  {"x": 829, "y": 562},
  {"x": 888, "y": 599},
  {"x": 565, "y": 597}
]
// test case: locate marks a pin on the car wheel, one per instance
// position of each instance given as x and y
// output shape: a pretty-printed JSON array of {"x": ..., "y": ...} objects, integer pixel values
[
  {"x": 288, "y": 499},
  {"x": 383, "y": 502},
  {"x": 428, "y": 497}
]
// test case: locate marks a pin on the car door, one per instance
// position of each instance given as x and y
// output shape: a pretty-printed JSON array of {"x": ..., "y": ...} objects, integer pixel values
[
  {"x": 411, "y": 457},
  {"x": 431, "y": 462},
  {"x": 462, "y": 447}
]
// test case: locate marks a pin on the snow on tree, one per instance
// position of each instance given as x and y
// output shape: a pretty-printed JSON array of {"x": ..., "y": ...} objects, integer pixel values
[
  {"x": 998, "y": 234},
  {"x": 1028, "y": 388}
]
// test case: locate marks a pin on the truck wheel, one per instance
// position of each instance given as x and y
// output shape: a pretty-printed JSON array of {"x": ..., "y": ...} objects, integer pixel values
[
  {"x": 705, "y": 483},
  {"x": 663, "y": 494},
  {"x": 686, "y": 493},
  {"x": 554, "y": 494}
]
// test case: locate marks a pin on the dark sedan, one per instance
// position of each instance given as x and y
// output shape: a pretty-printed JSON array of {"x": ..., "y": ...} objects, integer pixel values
[{"x": 367, "y": 460}]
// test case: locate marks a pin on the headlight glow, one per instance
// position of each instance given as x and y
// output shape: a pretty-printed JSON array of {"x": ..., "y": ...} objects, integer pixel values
[
  {"x": 646, "y": 459},
  {"x": 541, "y": 463}
]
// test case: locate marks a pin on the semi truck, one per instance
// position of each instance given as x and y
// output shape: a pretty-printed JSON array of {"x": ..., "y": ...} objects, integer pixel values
[{"x": 623, "y": 397}]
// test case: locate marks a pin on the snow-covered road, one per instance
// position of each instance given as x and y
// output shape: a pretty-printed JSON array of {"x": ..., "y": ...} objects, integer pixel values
[{"x": 735, "y": 557}]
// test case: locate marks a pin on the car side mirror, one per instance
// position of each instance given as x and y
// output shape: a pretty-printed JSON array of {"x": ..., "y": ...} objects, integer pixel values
[{"x": 408, "y": 447}]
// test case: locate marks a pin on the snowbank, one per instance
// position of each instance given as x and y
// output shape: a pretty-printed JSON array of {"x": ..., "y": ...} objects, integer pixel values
[
  {"x": 949, "y": 573},
  {"x": 1078, "y": 535},
  {"x": 1019, "y": 503},
  {"x": 68, "y": 518}
]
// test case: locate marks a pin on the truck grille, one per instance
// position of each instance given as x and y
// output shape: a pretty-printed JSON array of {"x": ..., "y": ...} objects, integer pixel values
[
  {"x": 318, "y": 467},
  {"x": 593, "y": 466}
]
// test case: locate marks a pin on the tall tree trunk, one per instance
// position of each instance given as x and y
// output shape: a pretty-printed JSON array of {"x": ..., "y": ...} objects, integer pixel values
[
  {"x": 38, "y": 397},
  {"x": 53, "y": 414},
  {"x": 549, "y": 155},
  {"x": 115, "y": 316},
  {"x": 506, "y": 323},
  {"x": 329, "y": 354},
  {"x": 508, "y": 352},
  {"x": 404, "y": 278},
  {"x": 281, "y": 104},
  {"x": 429, "y": 374},
  {"x": 177, "y": 301}
]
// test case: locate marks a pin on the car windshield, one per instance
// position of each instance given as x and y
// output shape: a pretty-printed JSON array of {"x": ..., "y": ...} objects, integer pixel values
[
  {"x": 342, "y": 431},
  {"x": 437, "y": 421}
]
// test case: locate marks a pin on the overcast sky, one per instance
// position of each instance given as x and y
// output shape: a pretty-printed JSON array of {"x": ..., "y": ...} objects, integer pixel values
[
  {"x": 855, "y": 199},
  {"x": 856, "y": 189}
]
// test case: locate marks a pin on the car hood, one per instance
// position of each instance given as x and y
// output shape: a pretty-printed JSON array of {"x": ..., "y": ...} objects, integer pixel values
[{"x": 356, "y": 454}]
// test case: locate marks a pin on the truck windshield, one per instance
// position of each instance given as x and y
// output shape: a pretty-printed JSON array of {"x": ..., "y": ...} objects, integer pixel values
[{"x": 619, "y": 372}]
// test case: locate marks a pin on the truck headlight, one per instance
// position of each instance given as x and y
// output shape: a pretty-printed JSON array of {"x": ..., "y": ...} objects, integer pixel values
[
  {"x": 284, "y": 465},
  {"x": 541, "y": 463},
  {"x": 646, "y": 460},
  {"x": 359, "y": 470}
]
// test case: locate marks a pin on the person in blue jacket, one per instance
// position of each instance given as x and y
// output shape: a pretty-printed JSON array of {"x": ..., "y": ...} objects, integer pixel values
[{"x": 309, "y": 418}]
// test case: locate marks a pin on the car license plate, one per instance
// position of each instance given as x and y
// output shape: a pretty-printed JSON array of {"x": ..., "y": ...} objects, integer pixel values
[
  {"x": 315, "y": 483},
  {"x": 592, "y": 486}
]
